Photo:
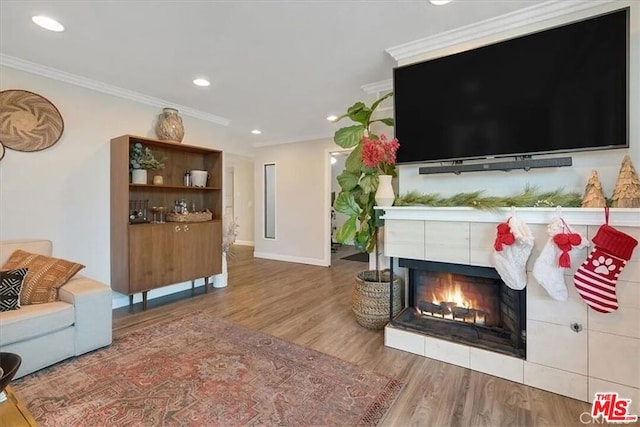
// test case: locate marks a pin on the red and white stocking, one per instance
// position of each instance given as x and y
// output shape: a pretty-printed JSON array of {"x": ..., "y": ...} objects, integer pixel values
[
  {"x": 512, "y": 248},
  {"x": 597, "y": 277},
  {"x": 555, "y": 257}
]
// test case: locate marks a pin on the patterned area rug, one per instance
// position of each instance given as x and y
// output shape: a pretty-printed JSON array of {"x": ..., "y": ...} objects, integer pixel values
[{"x": 202, "y": 371}]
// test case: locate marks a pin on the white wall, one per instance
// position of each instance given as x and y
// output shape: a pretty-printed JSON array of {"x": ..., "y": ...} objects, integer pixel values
[
  {"x": 302, "y": 202},
  {"x": 62, "y": 193},
  {"x": 574, "y": 178},
  {"x": 243, "y": 196}
]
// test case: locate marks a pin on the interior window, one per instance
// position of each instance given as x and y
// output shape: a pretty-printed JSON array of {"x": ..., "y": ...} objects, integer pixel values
[{"x": 270, "y": 201}]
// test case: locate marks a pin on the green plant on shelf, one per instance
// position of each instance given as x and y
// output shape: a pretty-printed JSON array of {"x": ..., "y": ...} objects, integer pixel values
[{"x": 141, "y": 157}]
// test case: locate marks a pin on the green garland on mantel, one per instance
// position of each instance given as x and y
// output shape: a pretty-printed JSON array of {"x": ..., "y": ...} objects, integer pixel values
[{"x": 530, "y": 197}]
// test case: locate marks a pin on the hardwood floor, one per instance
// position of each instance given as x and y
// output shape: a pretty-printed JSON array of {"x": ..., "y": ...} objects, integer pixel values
[{"x": 309, "y": 306}]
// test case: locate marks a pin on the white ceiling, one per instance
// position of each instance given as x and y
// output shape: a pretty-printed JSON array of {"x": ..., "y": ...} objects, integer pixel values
[{"x": 280, "y": 66}]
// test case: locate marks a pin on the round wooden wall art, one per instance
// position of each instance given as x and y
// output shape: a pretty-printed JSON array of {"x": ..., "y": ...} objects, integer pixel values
[{"x": 28, "y": 121}]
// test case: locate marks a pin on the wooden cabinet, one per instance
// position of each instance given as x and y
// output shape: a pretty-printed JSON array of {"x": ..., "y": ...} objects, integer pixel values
[
  {"x": 150, "y": 255},
  {"x": 202, "y": 245}
]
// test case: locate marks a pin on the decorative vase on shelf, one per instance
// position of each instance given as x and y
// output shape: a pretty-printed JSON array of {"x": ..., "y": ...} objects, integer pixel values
[
  {"x": 138, "y": 176},
  {"x": 384, "y": 194},
  {"x": 169, "y": 126}
]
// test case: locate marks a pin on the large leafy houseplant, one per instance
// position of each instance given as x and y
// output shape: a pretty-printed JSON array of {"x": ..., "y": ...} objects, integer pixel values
[
  {"x": 371, "y": 157},
  {"x": 359, "y": 179}
]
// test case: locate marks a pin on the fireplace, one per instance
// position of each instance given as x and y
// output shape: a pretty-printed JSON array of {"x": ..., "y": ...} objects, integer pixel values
[{"x": 465, "y": 304}]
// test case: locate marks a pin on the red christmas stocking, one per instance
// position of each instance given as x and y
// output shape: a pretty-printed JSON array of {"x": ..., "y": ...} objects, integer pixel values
[{"x": 597, "y": 277}]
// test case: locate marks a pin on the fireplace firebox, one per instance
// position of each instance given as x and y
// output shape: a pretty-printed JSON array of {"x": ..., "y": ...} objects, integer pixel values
[{"x": 466, "y": 304}]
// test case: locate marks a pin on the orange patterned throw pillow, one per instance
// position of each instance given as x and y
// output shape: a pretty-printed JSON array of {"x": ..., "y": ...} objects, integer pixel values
[{"x": 46, "y": 275}]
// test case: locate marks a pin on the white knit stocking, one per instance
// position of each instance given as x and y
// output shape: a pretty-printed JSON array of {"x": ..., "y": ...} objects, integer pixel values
[
  {"x": 512, "y": 249},
  {"x": 547, "y": 269}
]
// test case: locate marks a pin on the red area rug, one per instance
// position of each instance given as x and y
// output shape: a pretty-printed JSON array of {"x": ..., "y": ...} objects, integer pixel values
[{"x": 202, "y": 371}]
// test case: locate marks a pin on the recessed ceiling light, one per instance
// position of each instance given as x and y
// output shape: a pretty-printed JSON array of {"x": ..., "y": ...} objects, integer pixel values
[
  {"x": 47, "y": 23},
  {"x": 332, "y": 118},
  {"x": 256, "y": 132},
  {"x": 439, "y": 2},
  {"x": 201, "y": 82}
]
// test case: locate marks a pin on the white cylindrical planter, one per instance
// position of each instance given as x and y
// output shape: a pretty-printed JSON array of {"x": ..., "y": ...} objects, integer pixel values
[
  {"x": 199, "y": 178},
  {"x": 220, "y": 280},
  {"x": 139, "y": 176},
  {"x": 384, "y": 193}
]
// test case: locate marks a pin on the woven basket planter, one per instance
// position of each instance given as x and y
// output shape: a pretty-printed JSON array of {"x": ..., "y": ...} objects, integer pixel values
[{"x": 370, "y": 299}]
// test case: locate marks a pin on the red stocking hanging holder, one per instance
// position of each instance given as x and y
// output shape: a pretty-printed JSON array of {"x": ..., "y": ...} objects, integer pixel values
[{"x": 597, "y": 277}]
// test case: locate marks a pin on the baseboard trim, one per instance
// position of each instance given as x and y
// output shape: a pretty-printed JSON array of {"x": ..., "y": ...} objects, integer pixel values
[
  {"x": 120, "y": 300},
  {"x": 287, "y": 258}
]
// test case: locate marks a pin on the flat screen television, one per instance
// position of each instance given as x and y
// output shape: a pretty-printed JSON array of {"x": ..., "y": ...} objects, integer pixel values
[{"x": 559, "y": 90}]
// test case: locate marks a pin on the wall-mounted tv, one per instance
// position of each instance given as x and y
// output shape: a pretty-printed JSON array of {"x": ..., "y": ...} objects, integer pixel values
[{"x": 559, "y": 90}]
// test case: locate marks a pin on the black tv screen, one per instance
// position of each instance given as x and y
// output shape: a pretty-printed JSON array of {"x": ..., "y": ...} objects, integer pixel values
[{"x": 559, "y": 90}]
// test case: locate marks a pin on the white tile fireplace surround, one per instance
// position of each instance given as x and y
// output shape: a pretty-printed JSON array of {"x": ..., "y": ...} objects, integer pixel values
[{"x": 603, "y": 356}]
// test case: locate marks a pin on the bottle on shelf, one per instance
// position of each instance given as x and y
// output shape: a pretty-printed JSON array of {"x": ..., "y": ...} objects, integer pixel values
[
  {"x": 180, "y": 206},
  {"x": 187, "y": 179}
]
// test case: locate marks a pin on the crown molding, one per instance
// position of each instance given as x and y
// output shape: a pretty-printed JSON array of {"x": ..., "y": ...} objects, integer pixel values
[
  {"x": 377, "y": 87},
  {"x": 63, "y": 76},
  {"x": 500, "y": 24}
]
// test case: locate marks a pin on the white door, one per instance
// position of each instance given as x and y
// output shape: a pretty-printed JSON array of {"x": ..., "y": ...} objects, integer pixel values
[{"x": 228, "y": 192}]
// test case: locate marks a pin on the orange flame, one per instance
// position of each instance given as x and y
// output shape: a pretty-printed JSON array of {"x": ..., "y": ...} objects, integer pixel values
[{"x": 452, "y": 293}]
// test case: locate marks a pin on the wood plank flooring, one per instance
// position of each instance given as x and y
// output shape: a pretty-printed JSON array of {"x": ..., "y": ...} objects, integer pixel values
[{"x": 309, "y": 306}]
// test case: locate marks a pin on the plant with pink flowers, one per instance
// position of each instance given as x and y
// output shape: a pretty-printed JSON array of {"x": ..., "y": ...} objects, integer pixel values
[
  {"x": 380, "y": 154},
  {"x": 372, "y": 156}
]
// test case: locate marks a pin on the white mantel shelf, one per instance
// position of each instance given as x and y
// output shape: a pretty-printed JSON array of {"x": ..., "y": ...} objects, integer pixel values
[{"x": 618, "y": 217}]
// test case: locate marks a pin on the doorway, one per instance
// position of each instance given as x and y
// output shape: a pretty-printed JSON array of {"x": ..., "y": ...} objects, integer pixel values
[{"x": 339, "y": 250}]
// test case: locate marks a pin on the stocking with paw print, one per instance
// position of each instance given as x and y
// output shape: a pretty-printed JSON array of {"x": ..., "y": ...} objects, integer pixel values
[{"x": 597, "y": 277}]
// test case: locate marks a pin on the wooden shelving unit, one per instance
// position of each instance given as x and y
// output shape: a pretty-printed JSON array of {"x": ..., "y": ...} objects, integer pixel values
[{"x": 146, "y": 256}]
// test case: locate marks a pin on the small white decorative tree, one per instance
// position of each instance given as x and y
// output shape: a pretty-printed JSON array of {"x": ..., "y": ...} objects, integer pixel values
[{"x": 229, "y": 234}]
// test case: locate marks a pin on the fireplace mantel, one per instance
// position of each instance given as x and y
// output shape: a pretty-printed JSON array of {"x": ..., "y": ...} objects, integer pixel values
[
  {"x": 602, "y": 356},
  {"x": 618, "y": 217}
]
